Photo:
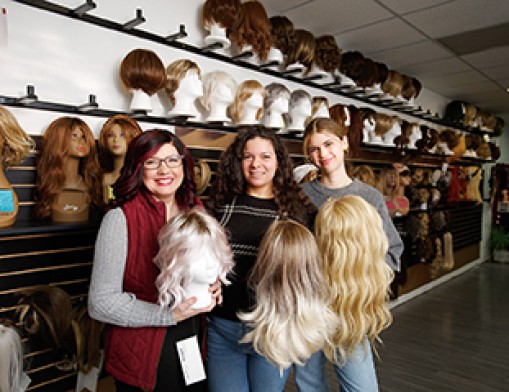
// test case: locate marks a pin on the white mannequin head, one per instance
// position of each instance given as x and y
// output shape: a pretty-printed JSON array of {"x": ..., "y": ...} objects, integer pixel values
[
  {"x": 395, "y": 131},
  {"x": 300, "y": 109},
  {"x": 247, "y": 107},
  {"x": 218, "y": 93},
  {"x": 183, "y": 86},
  {"x": 276, "y": 103},
  {"x": 415, "y": 135}
]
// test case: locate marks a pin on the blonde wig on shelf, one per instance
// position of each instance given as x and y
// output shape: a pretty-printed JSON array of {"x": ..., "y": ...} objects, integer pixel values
[
  {"x": 16, "y": 143},
  {"x": 245, "y": 90},
  {"x": 211, "y": 82},
  {"x": 179, "y": 239},
  {"x": 291, "y": 319},
  {"x": 175, "y": 72},
  {"x": 11, "y": 357},
  {"x": 302, "y": 50},
  {"x": 253, "y": 28},
  {"x": 356, "y": 272},
  {"x": 365, "y": 174},
  {"x": 223, "y": 12},
  {"x": 142, "y": 69},
  {"x": 52, "y": 163}
]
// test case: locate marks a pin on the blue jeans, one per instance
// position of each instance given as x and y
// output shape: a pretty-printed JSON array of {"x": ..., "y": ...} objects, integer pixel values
[
  {"x": 356, "y": 375},
  {"x": 236, "y": 367}
]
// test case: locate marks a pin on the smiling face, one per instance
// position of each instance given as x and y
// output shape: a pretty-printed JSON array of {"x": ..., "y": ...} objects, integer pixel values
[
  {"x": 116, "y": 141},
  {"x": 327, "y": 151},
  {"x": 78, "y": 146},
  {"x": 163, "y": 182},
  {"x": 259, "y": 164}
]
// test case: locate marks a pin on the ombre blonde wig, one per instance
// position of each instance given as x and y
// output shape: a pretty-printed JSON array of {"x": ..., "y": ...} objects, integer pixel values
[
  {"x": 245, "y": 90},
  {"x": 353, "y": 245},
  {"x": 175, "y": 72},
  {"x": 16, "y": 143},
  {"x": 291, "y": 319}
]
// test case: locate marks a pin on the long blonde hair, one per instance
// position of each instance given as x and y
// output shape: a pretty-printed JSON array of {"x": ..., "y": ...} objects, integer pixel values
[
  {"x": 17, "y": 143},
  {"x": 353, "y": 245},
  {"x": 291, "y": 319}
]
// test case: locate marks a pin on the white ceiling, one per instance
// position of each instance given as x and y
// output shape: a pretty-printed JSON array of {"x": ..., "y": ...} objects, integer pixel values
[{"x": 406, "y": 34}]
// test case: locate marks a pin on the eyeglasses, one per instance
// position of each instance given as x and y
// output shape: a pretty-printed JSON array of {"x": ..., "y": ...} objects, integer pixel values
[
  {"x": 171, "y": 161},
  {"x": 404, "y": 173}
]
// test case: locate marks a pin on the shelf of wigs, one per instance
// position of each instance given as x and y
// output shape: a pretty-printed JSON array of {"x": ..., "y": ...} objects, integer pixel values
[{"x": 327, "y": 83}]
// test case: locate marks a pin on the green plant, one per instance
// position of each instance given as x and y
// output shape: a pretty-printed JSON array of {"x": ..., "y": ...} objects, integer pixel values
[{"x": 499, "y": 239}]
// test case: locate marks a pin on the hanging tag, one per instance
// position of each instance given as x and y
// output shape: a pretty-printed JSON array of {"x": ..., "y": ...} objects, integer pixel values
[
  {"x": 190, "y": 360},
  {"x": 89, "y": 380},
  {"x": 3, "y": 26}
]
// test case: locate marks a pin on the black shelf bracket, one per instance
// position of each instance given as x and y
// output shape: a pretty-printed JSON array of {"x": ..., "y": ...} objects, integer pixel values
[{"x": 138, "y": 20}]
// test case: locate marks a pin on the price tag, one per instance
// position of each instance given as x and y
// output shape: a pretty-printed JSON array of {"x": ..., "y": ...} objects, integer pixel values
[{"x": 190, "y": 360}]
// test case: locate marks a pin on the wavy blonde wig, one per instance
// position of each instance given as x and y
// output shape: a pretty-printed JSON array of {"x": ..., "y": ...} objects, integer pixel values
[
  {"x": 142, "y": 69},
  {"x": 52, "y": 161},
  {"x": 179, "y": 240},
  {"x": 353, "y": 245},
  {"x": 175, "y": 72},
  {"x": 11, "y": 357},
  {"x": 16, "y": 143},
  {"x": 291, "y": 319},
  {"x": 245, "y": 90}
]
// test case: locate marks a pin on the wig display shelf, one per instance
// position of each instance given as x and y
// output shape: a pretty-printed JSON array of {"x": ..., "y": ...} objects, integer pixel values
[
  {"x": 173, "y": 41},
  {"x": 34, "y": 227}
]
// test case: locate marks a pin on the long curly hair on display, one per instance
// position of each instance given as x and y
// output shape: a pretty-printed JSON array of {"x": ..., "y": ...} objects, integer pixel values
[
  {"x": 356, "y": 272},
  {"x": 175, "y": 72},
  {"x": 292, "y": 319},
  {"x": 16, "y": 143},
  {"x": 245, "y": 90},
  {"x": 142, "y": 69},
  {"x": 302, "y": 50},
  {"x": 11, "y": 357},
  {"x": 179, "y": 241},
  {"x": 52, "y": 163},
  {"x": 291, "y": 200},
  {"x": 283, "y": 32},
  {"x": 223, "y": 12},
  {"x": 253, "y": 28},
  {"x": 327, "y": 53}
]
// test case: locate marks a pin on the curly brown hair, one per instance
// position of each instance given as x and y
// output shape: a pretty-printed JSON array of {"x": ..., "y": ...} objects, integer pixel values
[{"x": 230, "y": 182}]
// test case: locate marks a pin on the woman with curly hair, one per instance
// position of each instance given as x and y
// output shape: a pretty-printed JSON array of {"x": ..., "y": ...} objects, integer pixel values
[
  {"x": 68, "y": 175},
  {"x": 253, "y": 188}
]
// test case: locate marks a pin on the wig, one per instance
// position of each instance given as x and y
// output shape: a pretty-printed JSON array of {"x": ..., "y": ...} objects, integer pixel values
[
  {"x": 274, "y": 91},
  {"x": 327, "y": 53},
  {"x": 140, "y": 149},
  {"x": 291, "y": 320},
  {"x": 474, "y": 176},
  {"x": 53, "y": 160},
  {"x": 245, "y": 90},
  {"x": 175, "y": 72},
  {"x": 470, "y": 115},
  {"x": 411, "y": 87},
  {"x": 212, "y": 81},
  {"x": 364, "y": 72},
  {"x": 16, "y": 143},
  {"x": 356, "y": 271},
  {"x": 317, "y": 102},
  {"x": 202, "y": 175},
  {"x": 282, "y": 32},
  {"x": 384, "y": 123},
  {"x": 253, "y": 28},
  {"x": 129, "y": 127},
  {"x": 365, "y": 174},
  {"x": 449, "y": 137},
  {"x": 351, "y": 64},
  {"x": 142, "y": 69},
  {"x": 340, "y": 114},
  {"x": 230, "y": 182},
  {"x": 302, "y": 50},
  {"x": 223, "y": 12},
  {"x": 179, "y": 240},
  {"x": 403, "y": 140},
  {"x": 89, "y": 343},
  {"x": 393, "y": 84},
  {"x": 11, "y": 357},
  {"x": 355, "y": 130}
]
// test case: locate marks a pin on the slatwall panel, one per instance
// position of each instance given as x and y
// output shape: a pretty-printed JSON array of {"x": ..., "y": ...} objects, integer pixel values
[{"x": 466, "y": 225}]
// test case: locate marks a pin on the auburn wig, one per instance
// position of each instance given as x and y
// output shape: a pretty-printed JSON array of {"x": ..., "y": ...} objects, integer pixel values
[
  {"x": 253, "y": 28},
  {"x": 175, "y": 72},
  {"x": 179, "y": 240},
  {"x": 53, "y": 160},
  {"x": 129, "y": 127},
  {"x": 142, "y": 69},
  {"x": 283, "y": 32},
  {"x": 291, "y": 320},
  {"x": 302, "y": 50},
  {"x": 223, "y": 12},
  {"x": 356, "y": 272},
  {"x": 245, "y": 90},
  {"x": 16, "y": 143},
  {"x": 327, "y": 53}
]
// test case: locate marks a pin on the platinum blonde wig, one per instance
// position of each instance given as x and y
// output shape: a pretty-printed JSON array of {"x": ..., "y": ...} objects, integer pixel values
[
  {"x": 212, "y": 81},
  {"x": 353, "y": 245},
  {"x": 179, "y": 240},
  {"x": 11, "y": 359},
  {"x": 291, "y": 319}
]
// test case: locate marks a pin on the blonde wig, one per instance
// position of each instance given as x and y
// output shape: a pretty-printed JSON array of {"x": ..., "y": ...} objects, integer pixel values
[
  {"x": 11, "y": 357},
  {"x": 245, "y": 90},
  {"x": 393, "y": 85},
  {"x": 302, "y": 50},
  {"x": 178, "y": 241},
  {"x": 53, "y": 159},
  {"x": 317, "y": 102},
  {"x": 211, "y": 82},
  {"x": 474, "y": 176},
  {"x": 365, "y": 174},
  {"x": 16, "y": 143},
  {"x": 356, "y": 271},
  {"x": 282, "y": 31},
  {"x": 175, "y": 72},
  {"x": 223, "y": 12},
  {"x": 253, "y": 28},
  {"x": 129, "y": 127},
  {"x": 327, "y": 53},
  {"x": 202, "y": 175},
  {"x": 291, "y": 319},
  {"x": 142, "y": 69}
]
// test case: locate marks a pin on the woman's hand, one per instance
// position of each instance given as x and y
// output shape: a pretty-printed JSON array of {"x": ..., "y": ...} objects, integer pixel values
[
  {"x": 217, "y": 294},
  {"x": 185, "y": 311}
]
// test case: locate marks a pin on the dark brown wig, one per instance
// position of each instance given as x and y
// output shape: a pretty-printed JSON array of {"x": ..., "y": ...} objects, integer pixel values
[
  {"x": 282, "y": 32},
  {"x": 327, "y": 53},
  {"x": 142, "y": 69}
]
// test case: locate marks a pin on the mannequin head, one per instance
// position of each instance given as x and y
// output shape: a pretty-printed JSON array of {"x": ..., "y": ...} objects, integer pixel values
[
  {"x": 291, "y": 319},
  {"x": 277, "y": 100},
  {"x": 327, "y": 53},
  {"x": 15, "y": 144},
  {"x": 300, "y": 109},
  {"x": 282, "y": 32},
  {"x": 344, "y": 229},
  {"x": 219, "y": 90},
  {"x": 193, "y": 251},
  {"x": 384, "y": 123},
  {"x": 320, "y": 107},
  {"x": 141, "y": 69},
  {"x": 116, "y": 134},
  {"x": 66, "y": 138},
  {"x": 302, "y": 50},
  {"x": 176, "y": 73},
  {"x": 248, "y": 98},
  {"x": 11, "y": 357},
  {"x": 220, "y": 12},
  {"x": 253, "y": 29}
]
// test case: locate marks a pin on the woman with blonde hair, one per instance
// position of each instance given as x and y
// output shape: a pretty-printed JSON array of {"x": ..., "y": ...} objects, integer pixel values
[
  {"x": 15, "y": 145},
  {"x": 291, "y": 319},
  {"x": 356, "y": 273},
  {"x": 247, "y": 107},
  {"x": 68, "y": 175}
]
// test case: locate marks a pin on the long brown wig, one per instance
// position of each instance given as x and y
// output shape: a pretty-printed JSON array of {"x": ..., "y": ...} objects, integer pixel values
[{"x": 302, "y": 50}]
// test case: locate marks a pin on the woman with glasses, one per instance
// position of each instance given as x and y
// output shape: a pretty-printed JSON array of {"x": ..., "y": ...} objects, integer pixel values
[{"x": 155, "y": 184}]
